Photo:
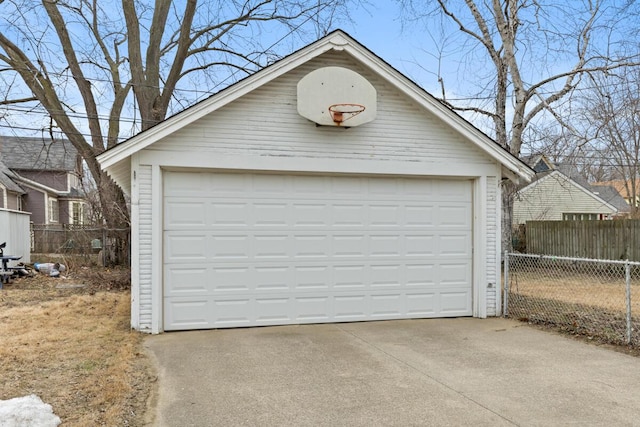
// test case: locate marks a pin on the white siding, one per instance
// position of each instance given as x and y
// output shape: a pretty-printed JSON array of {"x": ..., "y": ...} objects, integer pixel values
[
  {"x": 493, "y": 240},
  {"x": 269, "y": 125},
  {"x": 14, "y": 229},
  {"x": 548, "y": 198},
  {"x": 264, "y": 128},
  {"x": 146, "y": 248}
]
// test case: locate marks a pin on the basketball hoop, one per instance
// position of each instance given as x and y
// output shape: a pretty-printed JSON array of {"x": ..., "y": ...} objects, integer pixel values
[{"x": 342, "y": 112}]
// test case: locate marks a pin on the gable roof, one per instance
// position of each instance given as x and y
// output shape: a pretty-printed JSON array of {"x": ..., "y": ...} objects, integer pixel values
[
  {"x": 606, "y": 192},
  {"x": 544, "y": 176},
  {"x": 114, "y": 160},
  {"x": 538, "y": 162},
  {"x": 611, "y": 195},
  {"x": 7, "y": 179},
  {"x": 621, "y": 186},
  {"x": 26, "y": 153}
]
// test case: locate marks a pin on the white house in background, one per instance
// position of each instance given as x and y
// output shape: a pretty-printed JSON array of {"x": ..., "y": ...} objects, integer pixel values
[
  {"x": 326, "y": 187},
  {"x": 557, "y": 195}
]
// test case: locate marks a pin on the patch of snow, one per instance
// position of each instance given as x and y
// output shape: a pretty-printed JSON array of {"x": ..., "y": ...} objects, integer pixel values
[{"x": 27, "y": 411}]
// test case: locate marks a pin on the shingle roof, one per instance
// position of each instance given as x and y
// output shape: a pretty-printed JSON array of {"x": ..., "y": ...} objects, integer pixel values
[
  {"x": 6, "y": 179},
  {"x": 25, "y": 153},
  {"x": 606, "y": 192},
  {"x": 610, "y": 195}
]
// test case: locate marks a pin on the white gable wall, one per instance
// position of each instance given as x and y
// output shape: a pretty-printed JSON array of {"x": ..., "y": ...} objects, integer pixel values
[
  {"x": 551, "y": 196},
  {"x": 269, "y": 126},
  {"x": 262, "y": 131}
]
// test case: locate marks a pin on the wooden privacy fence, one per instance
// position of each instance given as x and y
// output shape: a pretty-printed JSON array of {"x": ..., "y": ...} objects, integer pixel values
[
  {"x": 113, "y": 245},
  {"x": 614, "y": 240}
]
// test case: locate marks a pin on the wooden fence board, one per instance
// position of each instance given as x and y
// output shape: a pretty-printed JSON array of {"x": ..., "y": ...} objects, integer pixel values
[{"x": 616, "y": 240}]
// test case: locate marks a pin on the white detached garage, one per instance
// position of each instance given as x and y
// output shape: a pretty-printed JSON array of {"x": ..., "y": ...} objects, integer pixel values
[{"x": 325, "y": 188}]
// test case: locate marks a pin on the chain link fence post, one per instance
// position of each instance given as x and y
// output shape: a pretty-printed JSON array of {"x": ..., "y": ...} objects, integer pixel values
[
  {"x": 506, "y": 284},
  {"x": 627, "y": 272}
]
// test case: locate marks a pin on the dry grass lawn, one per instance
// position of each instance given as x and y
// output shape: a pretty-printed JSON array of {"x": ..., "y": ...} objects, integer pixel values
[
  {"x": 73, "y": 347},
  {"x": 603, "y": 292},
  {"x": 591, "y": 304}
]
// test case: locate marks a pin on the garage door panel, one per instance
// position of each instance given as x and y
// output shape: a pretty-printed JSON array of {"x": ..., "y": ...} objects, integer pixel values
[
  {"x": 350, "y": 276},
  {"x": 312, "y": 277},
  {"x": 270, "y": 310},
  {"x": 317, "y": 245},
  {"x": 228, "y": 247},
  {"x": 228, "y": 279},
  {"x": 386, "y": 305},
  {"x": 185, "y": 247},
  {"x": 388, "y": 276},
  {"x": 309, "y": 214},
  {"x": 454, "y": 245},
  {"x": 420, "y": 275},
  {"x": 229, "y": 214},
  {"x": 455, "y": 303},
  {"x": 384, "y": 215},
  {"x": 420, "y": 216},
  {"x": 185, "y": 214},
  {"x": 313, "y": 309},
  {"x": 187, "y": 280},
  {"x": 454, "y": 273},
  {"x": 282, "y": 309},
  {"x": 420, "y": 245},
  {"x": 454, "y": 216},
  {"x": 239, "y": 279},
  {"x": 348, "y": 215},
  {"x": 252, "y": 249},
  {"x": 183, "y": 313},
  {"x": 422, "y": 304},
  {"x": 385, "y": 245},
  {"x": 269, "y": 246}
]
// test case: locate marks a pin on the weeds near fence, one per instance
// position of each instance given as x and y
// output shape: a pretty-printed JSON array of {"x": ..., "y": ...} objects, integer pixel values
[
  {"x": 108, "y": 246},
  {"x": 595, "y": 298}
]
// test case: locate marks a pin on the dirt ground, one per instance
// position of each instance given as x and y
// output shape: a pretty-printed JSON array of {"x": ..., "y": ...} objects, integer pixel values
[{"x": 68, "y": 341}]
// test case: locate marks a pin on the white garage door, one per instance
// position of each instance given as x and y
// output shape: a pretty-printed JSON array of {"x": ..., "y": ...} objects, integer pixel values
[{"x": 264, "y": 249}]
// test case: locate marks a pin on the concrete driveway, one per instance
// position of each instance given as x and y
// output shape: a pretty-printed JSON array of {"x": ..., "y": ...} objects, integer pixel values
[{"x": 409, "y": 372}]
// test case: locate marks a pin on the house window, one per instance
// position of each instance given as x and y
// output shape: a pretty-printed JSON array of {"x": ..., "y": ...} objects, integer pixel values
[
  {"x": 53, "y": 210},
  {"x": 77, "y": 213},
  {"x": 580, "y": 216}
]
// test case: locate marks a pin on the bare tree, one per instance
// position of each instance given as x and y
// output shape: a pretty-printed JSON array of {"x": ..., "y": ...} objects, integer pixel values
[
  {"x": 101, "y": 70},
  {"x": 611, "y": 108},
  {"x": 523, "y": 58}
]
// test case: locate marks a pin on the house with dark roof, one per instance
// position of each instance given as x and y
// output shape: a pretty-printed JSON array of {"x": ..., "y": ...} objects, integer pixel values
[
  {"x": 559, "y": 193},
  {"x": 628, "y": 189},
  {"x": 42, "y": 176},
  {"x": 10, "y": 191}
]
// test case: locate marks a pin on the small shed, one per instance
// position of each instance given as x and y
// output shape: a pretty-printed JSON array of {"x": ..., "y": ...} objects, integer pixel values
[{"x": 327, "y": 187}]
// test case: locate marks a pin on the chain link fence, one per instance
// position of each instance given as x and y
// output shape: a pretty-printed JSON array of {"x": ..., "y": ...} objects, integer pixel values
[
  {"x": 590, "y": 297},
  {"x": 110, "y": 246}
]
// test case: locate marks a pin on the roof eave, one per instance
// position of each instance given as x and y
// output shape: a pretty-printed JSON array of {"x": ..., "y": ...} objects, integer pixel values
[{"x": 338, "y": 40}]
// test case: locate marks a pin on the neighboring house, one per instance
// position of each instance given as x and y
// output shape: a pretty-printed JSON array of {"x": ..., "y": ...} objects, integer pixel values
[
  {"x": 14, "y": 224},
  {"x": 625, "y": 189},
  {"x": 557, "y": 194},
  {"x": 12, "y": 192},
  {"x": 327, "y": 187},
  {"x": 48, "y": 174}
]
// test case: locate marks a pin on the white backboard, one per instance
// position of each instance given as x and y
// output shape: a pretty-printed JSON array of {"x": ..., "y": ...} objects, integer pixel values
[{"x": 324, "y": 87}]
